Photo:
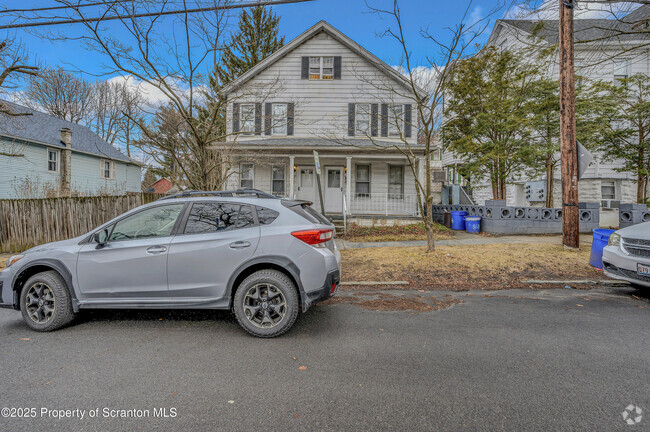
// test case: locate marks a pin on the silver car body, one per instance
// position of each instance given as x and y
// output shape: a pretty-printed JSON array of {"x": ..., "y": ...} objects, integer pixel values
[
  {"x": 622, "y": 261},
  {"x": 183, "y": 270}
]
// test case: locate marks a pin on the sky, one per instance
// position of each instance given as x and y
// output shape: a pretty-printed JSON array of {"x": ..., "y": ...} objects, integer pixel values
[{"x": 352, "y": 17}]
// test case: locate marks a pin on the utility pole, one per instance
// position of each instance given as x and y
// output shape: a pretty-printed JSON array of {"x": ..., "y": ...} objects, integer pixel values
[{"x": 569, "y": 159}]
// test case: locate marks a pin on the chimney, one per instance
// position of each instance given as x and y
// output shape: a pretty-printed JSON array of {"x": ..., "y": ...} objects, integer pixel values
[
  {"x": 66, "y": 137},
  {"x": 66, "y": 161}
]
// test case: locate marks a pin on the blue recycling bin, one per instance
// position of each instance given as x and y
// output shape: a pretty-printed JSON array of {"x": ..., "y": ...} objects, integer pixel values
[
  {"x": 601, "y": 237},
  {"x": 458, "y": 220},
  {"x": 473, "y": 224}
]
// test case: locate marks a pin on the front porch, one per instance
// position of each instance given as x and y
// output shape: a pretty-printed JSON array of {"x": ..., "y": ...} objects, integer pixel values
[{"x": 354, "y": 185}]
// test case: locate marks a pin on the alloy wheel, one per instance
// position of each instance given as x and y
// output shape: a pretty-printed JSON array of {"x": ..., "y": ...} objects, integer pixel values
[
  {"x": 40, "y": 303},
  {"x": 265, "y": 305}
]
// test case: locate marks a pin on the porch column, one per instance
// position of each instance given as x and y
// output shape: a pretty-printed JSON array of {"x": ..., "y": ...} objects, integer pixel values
[
  {"x": 421, "y": 170},
  {"x": 348, "y": 181},
  {"x": 291, "y": 175}
]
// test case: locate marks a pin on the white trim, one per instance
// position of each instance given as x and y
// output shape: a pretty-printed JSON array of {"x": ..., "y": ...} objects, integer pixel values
[
  {"x": 321, "y": 67},
  {"x": 356, "y": 119},
  {"x": 242, "y": 119},
  {"x": 252, "y": 171},
  {"x": 102, "y": 169},
  {"x": 285, "y": 121}
]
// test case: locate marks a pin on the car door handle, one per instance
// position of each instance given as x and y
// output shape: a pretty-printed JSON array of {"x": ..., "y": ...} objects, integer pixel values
[
  {"x": 155, "y": 250},
  {"x": 239, "y": 245}
]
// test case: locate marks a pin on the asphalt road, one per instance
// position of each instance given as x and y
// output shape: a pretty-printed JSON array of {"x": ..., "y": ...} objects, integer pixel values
[{"x": 515, "y": 360}]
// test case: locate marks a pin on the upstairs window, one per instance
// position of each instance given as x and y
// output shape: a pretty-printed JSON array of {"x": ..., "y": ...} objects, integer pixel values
[
  {"x": 279, "y": 119},
  {"x": 362, "y": 119},
  {"x": 321, "y": 68},
  {"x": 52, "y": 160},
  {"x": 247, "y": 118},
  {"x": 395, "y": 120},
  {"x": 246, "y": 176},
  {"x": 621, "y": 69}
]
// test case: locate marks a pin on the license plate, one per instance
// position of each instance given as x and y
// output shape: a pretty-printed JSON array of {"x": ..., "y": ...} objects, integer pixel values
[{"x": 643, "y": 269}]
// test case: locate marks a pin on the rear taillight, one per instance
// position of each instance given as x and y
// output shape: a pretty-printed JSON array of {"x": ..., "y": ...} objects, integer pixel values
[{"x": 314, "y": 237}]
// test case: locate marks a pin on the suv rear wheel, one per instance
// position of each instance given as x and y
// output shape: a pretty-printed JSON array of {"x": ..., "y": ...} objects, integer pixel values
[
  {"x": 45, "y": 302},
  {"x": 266, "y": 303}
]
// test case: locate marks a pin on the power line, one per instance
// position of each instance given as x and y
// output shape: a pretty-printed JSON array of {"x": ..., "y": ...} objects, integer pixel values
[
  {"x": 141, "y": 15},
  {"x": 61, "y": 7}
]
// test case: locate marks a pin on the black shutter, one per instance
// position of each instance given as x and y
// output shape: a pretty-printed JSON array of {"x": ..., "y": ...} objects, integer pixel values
[
  {"x": 350, "y": 119},
  {"x": 235, "y": 117},
  {"x": 407, "y": 120},
  {"x": 290, "y": 116},
  {"x": 337, "y": 67},
  {"x": 258, "y": 118},
  {"x": 304, "y": 73},
  {"x": 374, "y": 119},
  {"x": 384, "y": 120},
  {"x": 267, "y": 118}
]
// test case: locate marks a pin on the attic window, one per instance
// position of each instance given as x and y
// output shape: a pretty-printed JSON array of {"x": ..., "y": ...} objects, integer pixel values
[{"x": 321, "y": 68}]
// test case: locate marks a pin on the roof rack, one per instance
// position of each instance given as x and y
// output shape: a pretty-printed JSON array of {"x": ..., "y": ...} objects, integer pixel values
[{"x": 231, "y": 193}]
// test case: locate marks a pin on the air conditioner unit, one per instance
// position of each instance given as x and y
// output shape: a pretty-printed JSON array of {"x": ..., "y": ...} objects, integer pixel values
[{"x": 610, "y": 204}]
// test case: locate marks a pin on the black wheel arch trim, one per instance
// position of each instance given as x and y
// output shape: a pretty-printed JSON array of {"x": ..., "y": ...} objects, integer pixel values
[
  {"x": 55, "y": 265},
  {"x": 280, "y": 261}
]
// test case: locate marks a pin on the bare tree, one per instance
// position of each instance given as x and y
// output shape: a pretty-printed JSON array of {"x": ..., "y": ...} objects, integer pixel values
[
  {"x": 61, "y": 94},
  {"x": 14, "y": 65},
  {"x": 425, "y": 87}
]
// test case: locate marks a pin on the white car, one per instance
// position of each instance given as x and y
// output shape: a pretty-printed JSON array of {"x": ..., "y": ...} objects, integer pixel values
[{"x": 627, "y": 255}]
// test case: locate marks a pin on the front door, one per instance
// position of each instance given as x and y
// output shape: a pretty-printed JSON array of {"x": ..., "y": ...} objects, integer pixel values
[
  {"x": 218, "y": 237},
  {"x": 307, "y": 185},
  {"x": 132, "y": 265},
  {"x": 334, "y": 190}
]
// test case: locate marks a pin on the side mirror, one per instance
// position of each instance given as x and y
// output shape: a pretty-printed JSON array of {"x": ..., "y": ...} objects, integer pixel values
[{"x": 101, "y": 238}]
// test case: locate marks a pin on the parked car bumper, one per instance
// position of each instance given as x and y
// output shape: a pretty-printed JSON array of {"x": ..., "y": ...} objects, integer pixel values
[
  {"x": 622, "y": 266},
  {"x": 6, "y": 293}
]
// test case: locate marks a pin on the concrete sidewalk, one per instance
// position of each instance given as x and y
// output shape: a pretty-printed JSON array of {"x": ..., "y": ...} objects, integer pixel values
[{"x": 463, "y": 238}]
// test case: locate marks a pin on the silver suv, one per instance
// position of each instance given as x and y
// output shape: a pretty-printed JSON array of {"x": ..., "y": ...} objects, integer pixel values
[{"x": 263, "y": 257}]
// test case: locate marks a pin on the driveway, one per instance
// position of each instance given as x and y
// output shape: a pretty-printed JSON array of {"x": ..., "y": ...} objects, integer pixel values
[{"x": 508, "y": 360}]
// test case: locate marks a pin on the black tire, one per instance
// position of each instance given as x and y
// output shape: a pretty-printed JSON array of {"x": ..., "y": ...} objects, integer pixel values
[
  {"x": 62, "y": 304},
  {"x": 281, "y": 284}
]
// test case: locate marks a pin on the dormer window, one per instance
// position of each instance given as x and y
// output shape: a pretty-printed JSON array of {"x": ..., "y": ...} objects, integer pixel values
[{"x": 321, "y": 68}]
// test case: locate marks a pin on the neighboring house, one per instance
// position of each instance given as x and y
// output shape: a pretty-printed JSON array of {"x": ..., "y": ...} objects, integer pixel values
[
  {"x": 324, "y": 92},
  {"x": 161, "y": 186},
  {"x": 618, "y": 56},
  {"x": 44, "y": 156}
]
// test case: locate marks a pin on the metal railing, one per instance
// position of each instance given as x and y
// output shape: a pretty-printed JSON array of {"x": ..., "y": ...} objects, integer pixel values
[{"x": 387, "y": 204}]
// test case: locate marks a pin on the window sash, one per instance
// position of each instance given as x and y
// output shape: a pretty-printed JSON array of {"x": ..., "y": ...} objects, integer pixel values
[
  {"x": 362, "y": 180},
  {"x": 395, "y": 181},
  {"x": 362, "y": 119},
  {"x": 246, "y": 175},
  {"x": 621, "y": 68},
  {"x": 247, "y": 118},
  {"x": 52, "y": 160},
  {"x": 608, "y": 190},
  {"x": 321, "y": 68},
  {"x": 395, "y": 120},
  {"x": 279, "y": 118}
]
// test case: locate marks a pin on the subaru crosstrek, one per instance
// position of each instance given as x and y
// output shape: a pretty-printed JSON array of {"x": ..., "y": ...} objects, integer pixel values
[{"x": 263, "y": 257}]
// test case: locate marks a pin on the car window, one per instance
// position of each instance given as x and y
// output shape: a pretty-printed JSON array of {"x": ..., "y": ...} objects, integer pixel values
[
  {"x": 154, "y": 222},
  {"x": 266, "y": 216},
  {"x": 245, "y": 218},
  {"x": 211, "y": 217}
]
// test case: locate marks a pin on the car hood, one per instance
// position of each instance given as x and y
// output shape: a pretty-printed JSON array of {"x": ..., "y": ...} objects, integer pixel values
[
  {"x": 55, "y": 245},
  {"x": 638, "y": 231}
]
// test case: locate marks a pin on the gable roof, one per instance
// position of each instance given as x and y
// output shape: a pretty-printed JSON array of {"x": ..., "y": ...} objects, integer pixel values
[
  {"x": 41, "y": 128},
  {"x": 321, "y": 26},
  {"x": 584, "y": 30}
]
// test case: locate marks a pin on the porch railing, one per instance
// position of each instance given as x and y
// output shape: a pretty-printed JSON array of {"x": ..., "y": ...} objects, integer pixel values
[{"x": 384, "y": 203}]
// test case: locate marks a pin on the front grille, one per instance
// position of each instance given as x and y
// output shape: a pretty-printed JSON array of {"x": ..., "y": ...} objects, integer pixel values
[
  {"x": 637, "y": 247},
  {"x": 636, "y": 242}
]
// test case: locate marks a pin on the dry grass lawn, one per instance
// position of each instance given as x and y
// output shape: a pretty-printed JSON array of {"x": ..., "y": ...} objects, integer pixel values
[
  {"x": 384, "y": 233},
  {"x": 461, "y": 268}
]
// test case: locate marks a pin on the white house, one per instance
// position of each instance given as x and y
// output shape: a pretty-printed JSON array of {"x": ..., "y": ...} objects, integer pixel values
[
  {"x": 324, "y": 92},
  {"x": 597, "y": 57}
]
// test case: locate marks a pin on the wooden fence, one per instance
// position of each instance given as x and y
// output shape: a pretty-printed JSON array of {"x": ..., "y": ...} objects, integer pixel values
[{"x": 30, "y": 222}]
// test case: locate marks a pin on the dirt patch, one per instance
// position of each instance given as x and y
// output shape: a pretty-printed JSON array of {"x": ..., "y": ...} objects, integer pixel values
[
  {"x": 463, "y": 268},
  {"x": 387, "y": 302},
  {"x": 411, "y": 232}
]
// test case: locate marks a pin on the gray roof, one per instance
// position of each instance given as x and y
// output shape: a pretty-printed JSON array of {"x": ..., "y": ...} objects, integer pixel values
[
  {"x": 45, "y": 129},
  {"x": 629, "y": 28}
]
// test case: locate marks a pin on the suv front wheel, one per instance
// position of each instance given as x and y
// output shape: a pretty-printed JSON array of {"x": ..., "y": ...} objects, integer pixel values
[
  {"x": 45, "y": 302},
  {"x": 266, "y": 303}
]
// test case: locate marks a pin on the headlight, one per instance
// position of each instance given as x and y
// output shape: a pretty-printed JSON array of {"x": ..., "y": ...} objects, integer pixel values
[
  {"x": 14, "y": 259},
  {"x": 614, "y": 240}
]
